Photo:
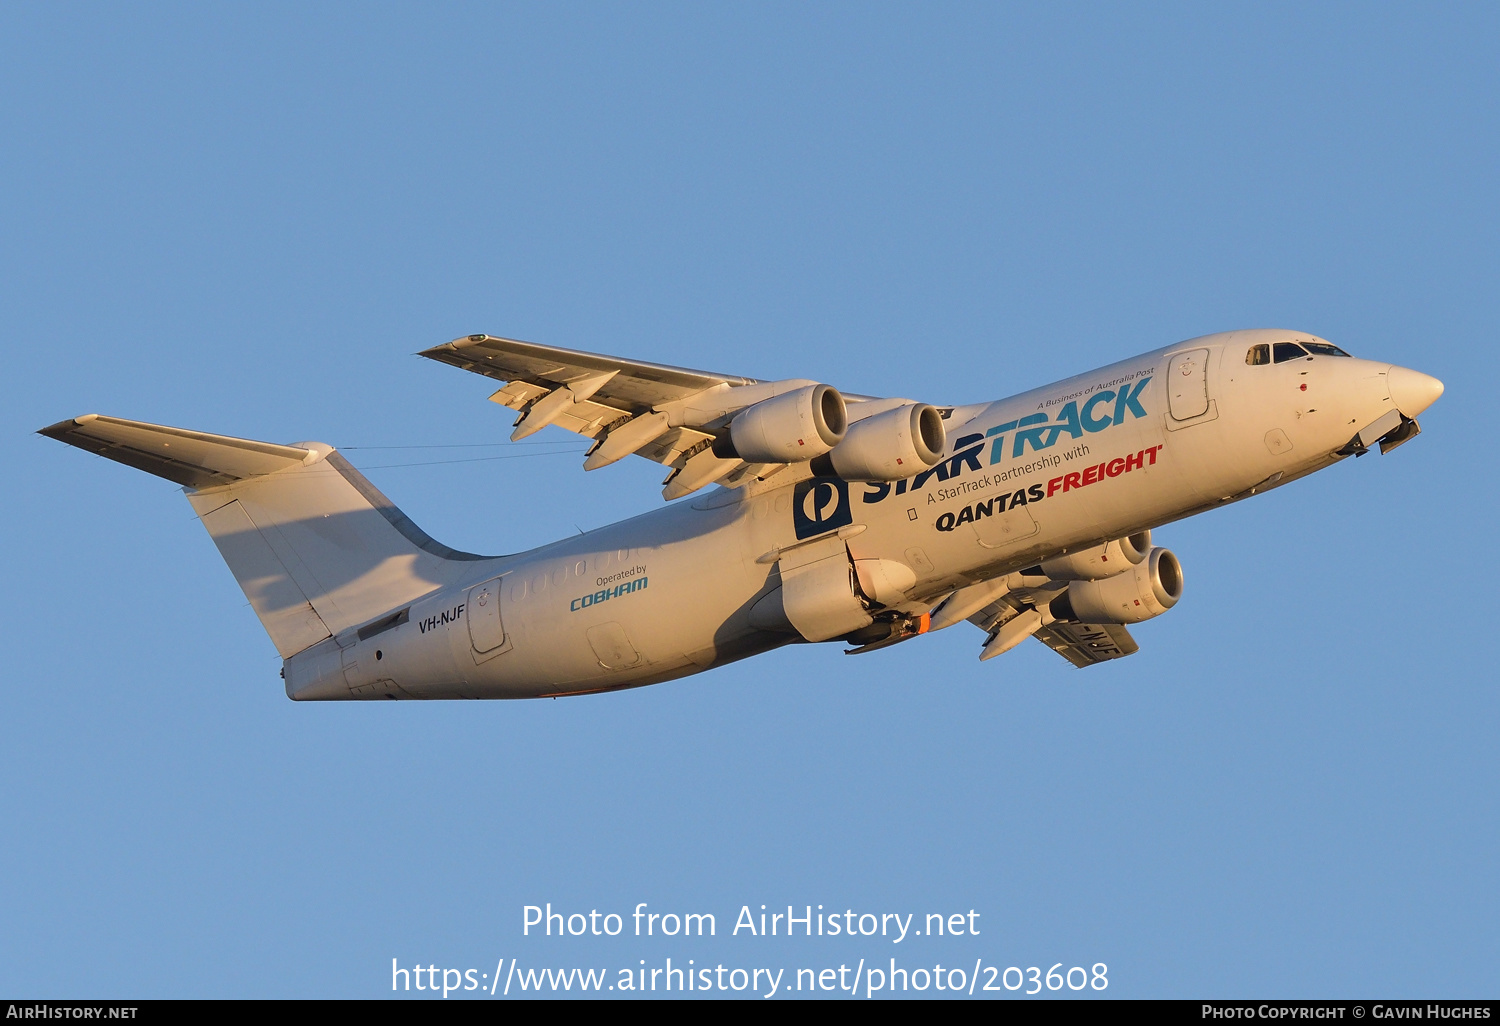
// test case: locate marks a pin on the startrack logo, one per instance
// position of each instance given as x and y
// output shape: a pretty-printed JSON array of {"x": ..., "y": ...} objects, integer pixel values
[{"x": 1104, "y": 408}]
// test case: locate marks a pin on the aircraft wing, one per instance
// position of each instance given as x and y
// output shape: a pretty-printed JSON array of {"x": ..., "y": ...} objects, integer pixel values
[
  {"x": 666, "y": 414},
  {"x": 531, "y": 371}
]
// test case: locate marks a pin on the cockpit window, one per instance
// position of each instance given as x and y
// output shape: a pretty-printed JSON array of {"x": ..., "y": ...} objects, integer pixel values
[
  {"x": 1258, "y": 355},
  {"x": 1289, "y": 351},
  {"x": 1324, "y": 349}
]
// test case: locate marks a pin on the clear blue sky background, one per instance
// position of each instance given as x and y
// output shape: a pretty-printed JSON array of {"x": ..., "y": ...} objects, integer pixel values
[{"x": 247, "y": 218}]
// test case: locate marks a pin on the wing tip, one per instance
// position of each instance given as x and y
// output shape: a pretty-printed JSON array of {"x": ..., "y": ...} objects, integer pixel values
[
  {"x": 462, "y": 342},
  {"x": 63, "y": 427}
]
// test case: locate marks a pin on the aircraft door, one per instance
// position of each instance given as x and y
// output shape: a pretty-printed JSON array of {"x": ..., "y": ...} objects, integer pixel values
[
  {"x": 612, "y": 647},
  {"x": 349, "y": 662},
  {"x": 486, "y": 629},
  {"x": 1187, "y": 384}
]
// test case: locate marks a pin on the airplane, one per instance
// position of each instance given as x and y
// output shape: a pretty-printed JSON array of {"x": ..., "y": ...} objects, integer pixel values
[{"x": 832, "y": 517}]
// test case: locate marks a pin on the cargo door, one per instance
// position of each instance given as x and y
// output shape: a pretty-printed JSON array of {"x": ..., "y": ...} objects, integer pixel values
[{"x": 486, "y": 629}]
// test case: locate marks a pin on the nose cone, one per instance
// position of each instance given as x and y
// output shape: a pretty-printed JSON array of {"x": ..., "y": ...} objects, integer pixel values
[{"x": 1412, "y": 391}]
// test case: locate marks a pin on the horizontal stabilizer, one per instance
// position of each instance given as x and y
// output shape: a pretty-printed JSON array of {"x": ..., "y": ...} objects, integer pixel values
[{"x": 195, "y": 459}]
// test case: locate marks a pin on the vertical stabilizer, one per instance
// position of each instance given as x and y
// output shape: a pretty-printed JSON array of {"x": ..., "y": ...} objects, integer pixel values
[{"x": 314, "y": 545}]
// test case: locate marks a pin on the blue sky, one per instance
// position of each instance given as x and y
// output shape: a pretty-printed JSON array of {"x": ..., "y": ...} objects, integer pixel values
[{"x": 246, "y": 220}]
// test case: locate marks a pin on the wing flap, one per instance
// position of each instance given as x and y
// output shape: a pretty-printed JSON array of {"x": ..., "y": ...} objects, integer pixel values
[
  {"x": 680, "y": 443},
  {"x": 1086, "y": 644},
  {"x": 588, "y": 418},
  {"x": 519, "y": 394},
  {"x": 1082, "y": 644},
  {"x": 610, "y": 393}
]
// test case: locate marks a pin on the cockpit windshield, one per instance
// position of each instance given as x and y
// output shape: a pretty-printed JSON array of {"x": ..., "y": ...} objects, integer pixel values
[
  {"x": 1324, "y": 349},
  {"x": 1281, "y": 352}
]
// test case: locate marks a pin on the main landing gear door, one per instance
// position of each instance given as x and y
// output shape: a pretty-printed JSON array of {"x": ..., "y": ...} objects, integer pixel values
[
  {"x": 486, "y": 629},
  {"x": 817, "y": 590}
]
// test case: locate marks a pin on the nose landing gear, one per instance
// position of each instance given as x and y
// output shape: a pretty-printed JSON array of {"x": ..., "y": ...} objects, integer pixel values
[{"x": 1391, "y": 430}]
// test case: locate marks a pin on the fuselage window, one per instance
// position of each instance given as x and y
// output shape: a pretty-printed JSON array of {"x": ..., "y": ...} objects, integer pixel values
[
  {"x": 1258, "y": 355},
  {"x": 1324, "y": 349},
  {"x": 1289, "y": 351}
]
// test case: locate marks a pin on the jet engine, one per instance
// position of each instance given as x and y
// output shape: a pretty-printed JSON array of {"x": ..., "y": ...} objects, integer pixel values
[
  {"x": 1149, "y": 588},
  {"x": 1101, "y": 561},
  {"x": 790, "y": 428},
  {"x": 890, "y": 446}
]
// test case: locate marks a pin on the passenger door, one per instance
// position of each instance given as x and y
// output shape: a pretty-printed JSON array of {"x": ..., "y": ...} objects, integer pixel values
[
  {"x": 1187, "y": 384},
  {"x": 1189, "y": 399}
]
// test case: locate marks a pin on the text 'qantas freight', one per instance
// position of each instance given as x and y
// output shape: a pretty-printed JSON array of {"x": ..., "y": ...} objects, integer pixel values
[{"x": 835, "y": 518}]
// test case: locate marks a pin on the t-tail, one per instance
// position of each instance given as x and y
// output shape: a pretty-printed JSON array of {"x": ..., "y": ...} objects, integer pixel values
[{"x": 317, "y": 549}]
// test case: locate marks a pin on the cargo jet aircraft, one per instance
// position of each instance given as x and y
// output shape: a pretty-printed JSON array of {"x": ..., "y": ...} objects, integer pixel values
[{"x": 836, "y": 517}]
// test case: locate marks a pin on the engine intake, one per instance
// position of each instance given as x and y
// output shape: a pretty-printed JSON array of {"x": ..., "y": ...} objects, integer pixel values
[
  {"x": 890, "y": 446},
  {"x": 1150, "y": 588},
  {"x": 790, "y": 428},
  {"x": 1101, "y": 561}
]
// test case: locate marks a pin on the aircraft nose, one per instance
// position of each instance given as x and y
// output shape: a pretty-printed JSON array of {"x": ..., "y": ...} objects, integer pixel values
[{"x": 1412, "y": 391}]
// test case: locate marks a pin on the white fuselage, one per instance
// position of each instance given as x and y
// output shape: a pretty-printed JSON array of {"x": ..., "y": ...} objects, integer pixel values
[{"x": 1095, "y": 457}]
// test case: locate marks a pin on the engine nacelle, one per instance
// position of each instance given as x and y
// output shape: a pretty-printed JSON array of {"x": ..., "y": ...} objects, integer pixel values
[
  {"x": 1149, "y": 589},
  {"x": 1101, "y": 561},
  {"x": 890, "y": 446},
  {"x": 790, "y": 428}
]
